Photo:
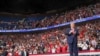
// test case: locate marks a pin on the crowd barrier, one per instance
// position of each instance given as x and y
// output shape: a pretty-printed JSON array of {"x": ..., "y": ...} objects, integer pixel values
[
  {"x": 50, "y": 27},
  {"x": 87, "y": 53}
]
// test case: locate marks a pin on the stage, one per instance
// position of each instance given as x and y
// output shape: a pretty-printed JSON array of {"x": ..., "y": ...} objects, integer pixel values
[{"x": 83, "y": 53}]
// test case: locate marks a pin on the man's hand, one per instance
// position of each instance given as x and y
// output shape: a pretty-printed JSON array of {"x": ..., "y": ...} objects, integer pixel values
[{"x": 72, "y": 31}]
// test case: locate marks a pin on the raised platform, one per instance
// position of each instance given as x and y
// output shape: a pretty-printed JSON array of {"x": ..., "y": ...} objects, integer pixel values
[{"x": 83, "y": 53}]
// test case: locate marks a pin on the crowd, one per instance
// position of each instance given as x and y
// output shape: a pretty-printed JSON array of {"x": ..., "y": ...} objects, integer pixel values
[
  {"x": 51, "y": 41},
  {"x": 67, "y": 16}
]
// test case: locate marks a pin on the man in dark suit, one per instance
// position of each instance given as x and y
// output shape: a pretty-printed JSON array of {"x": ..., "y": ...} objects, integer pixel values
[
  {"x": 72, "y": 34},
  {"x": 24, "y": 53}
]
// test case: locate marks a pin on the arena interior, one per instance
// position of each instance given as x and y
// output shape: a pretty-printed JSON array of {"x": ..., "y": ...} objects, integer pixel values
[{"x": 38, "y": 27}]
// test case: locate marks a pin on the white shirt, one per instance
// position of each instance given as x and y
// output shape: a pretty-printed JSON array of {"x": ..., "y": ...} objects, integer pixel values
[
  {"x": 25, "y": 53},
  {"x": 35, "y": 52},
  {"x": 91, "y": 48},
  {"x": 94, "y": 43},
  {"x": 9, "y": 54},
  {"x": 84, "y": 46},
  {"x": 53, "y": 50}
]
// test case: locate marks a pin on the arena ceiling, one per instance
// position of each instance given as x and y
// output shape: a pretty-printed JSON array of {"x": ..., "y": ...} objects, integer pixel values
[{"x": 38, "y": 6}]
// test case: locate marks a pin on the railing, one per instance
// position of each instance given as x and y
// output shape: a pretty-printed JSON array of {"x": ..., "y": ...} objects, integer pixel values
[{"x": 55, "y": 26}]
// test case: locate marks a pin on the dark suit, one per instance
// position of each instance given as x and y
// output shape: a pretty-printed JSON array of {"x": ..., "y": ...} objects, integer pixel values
[
  {"x": 22, "y": 53},
  {"x": 72, "y": 42},
  {"x": 4, "y": 53}
]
